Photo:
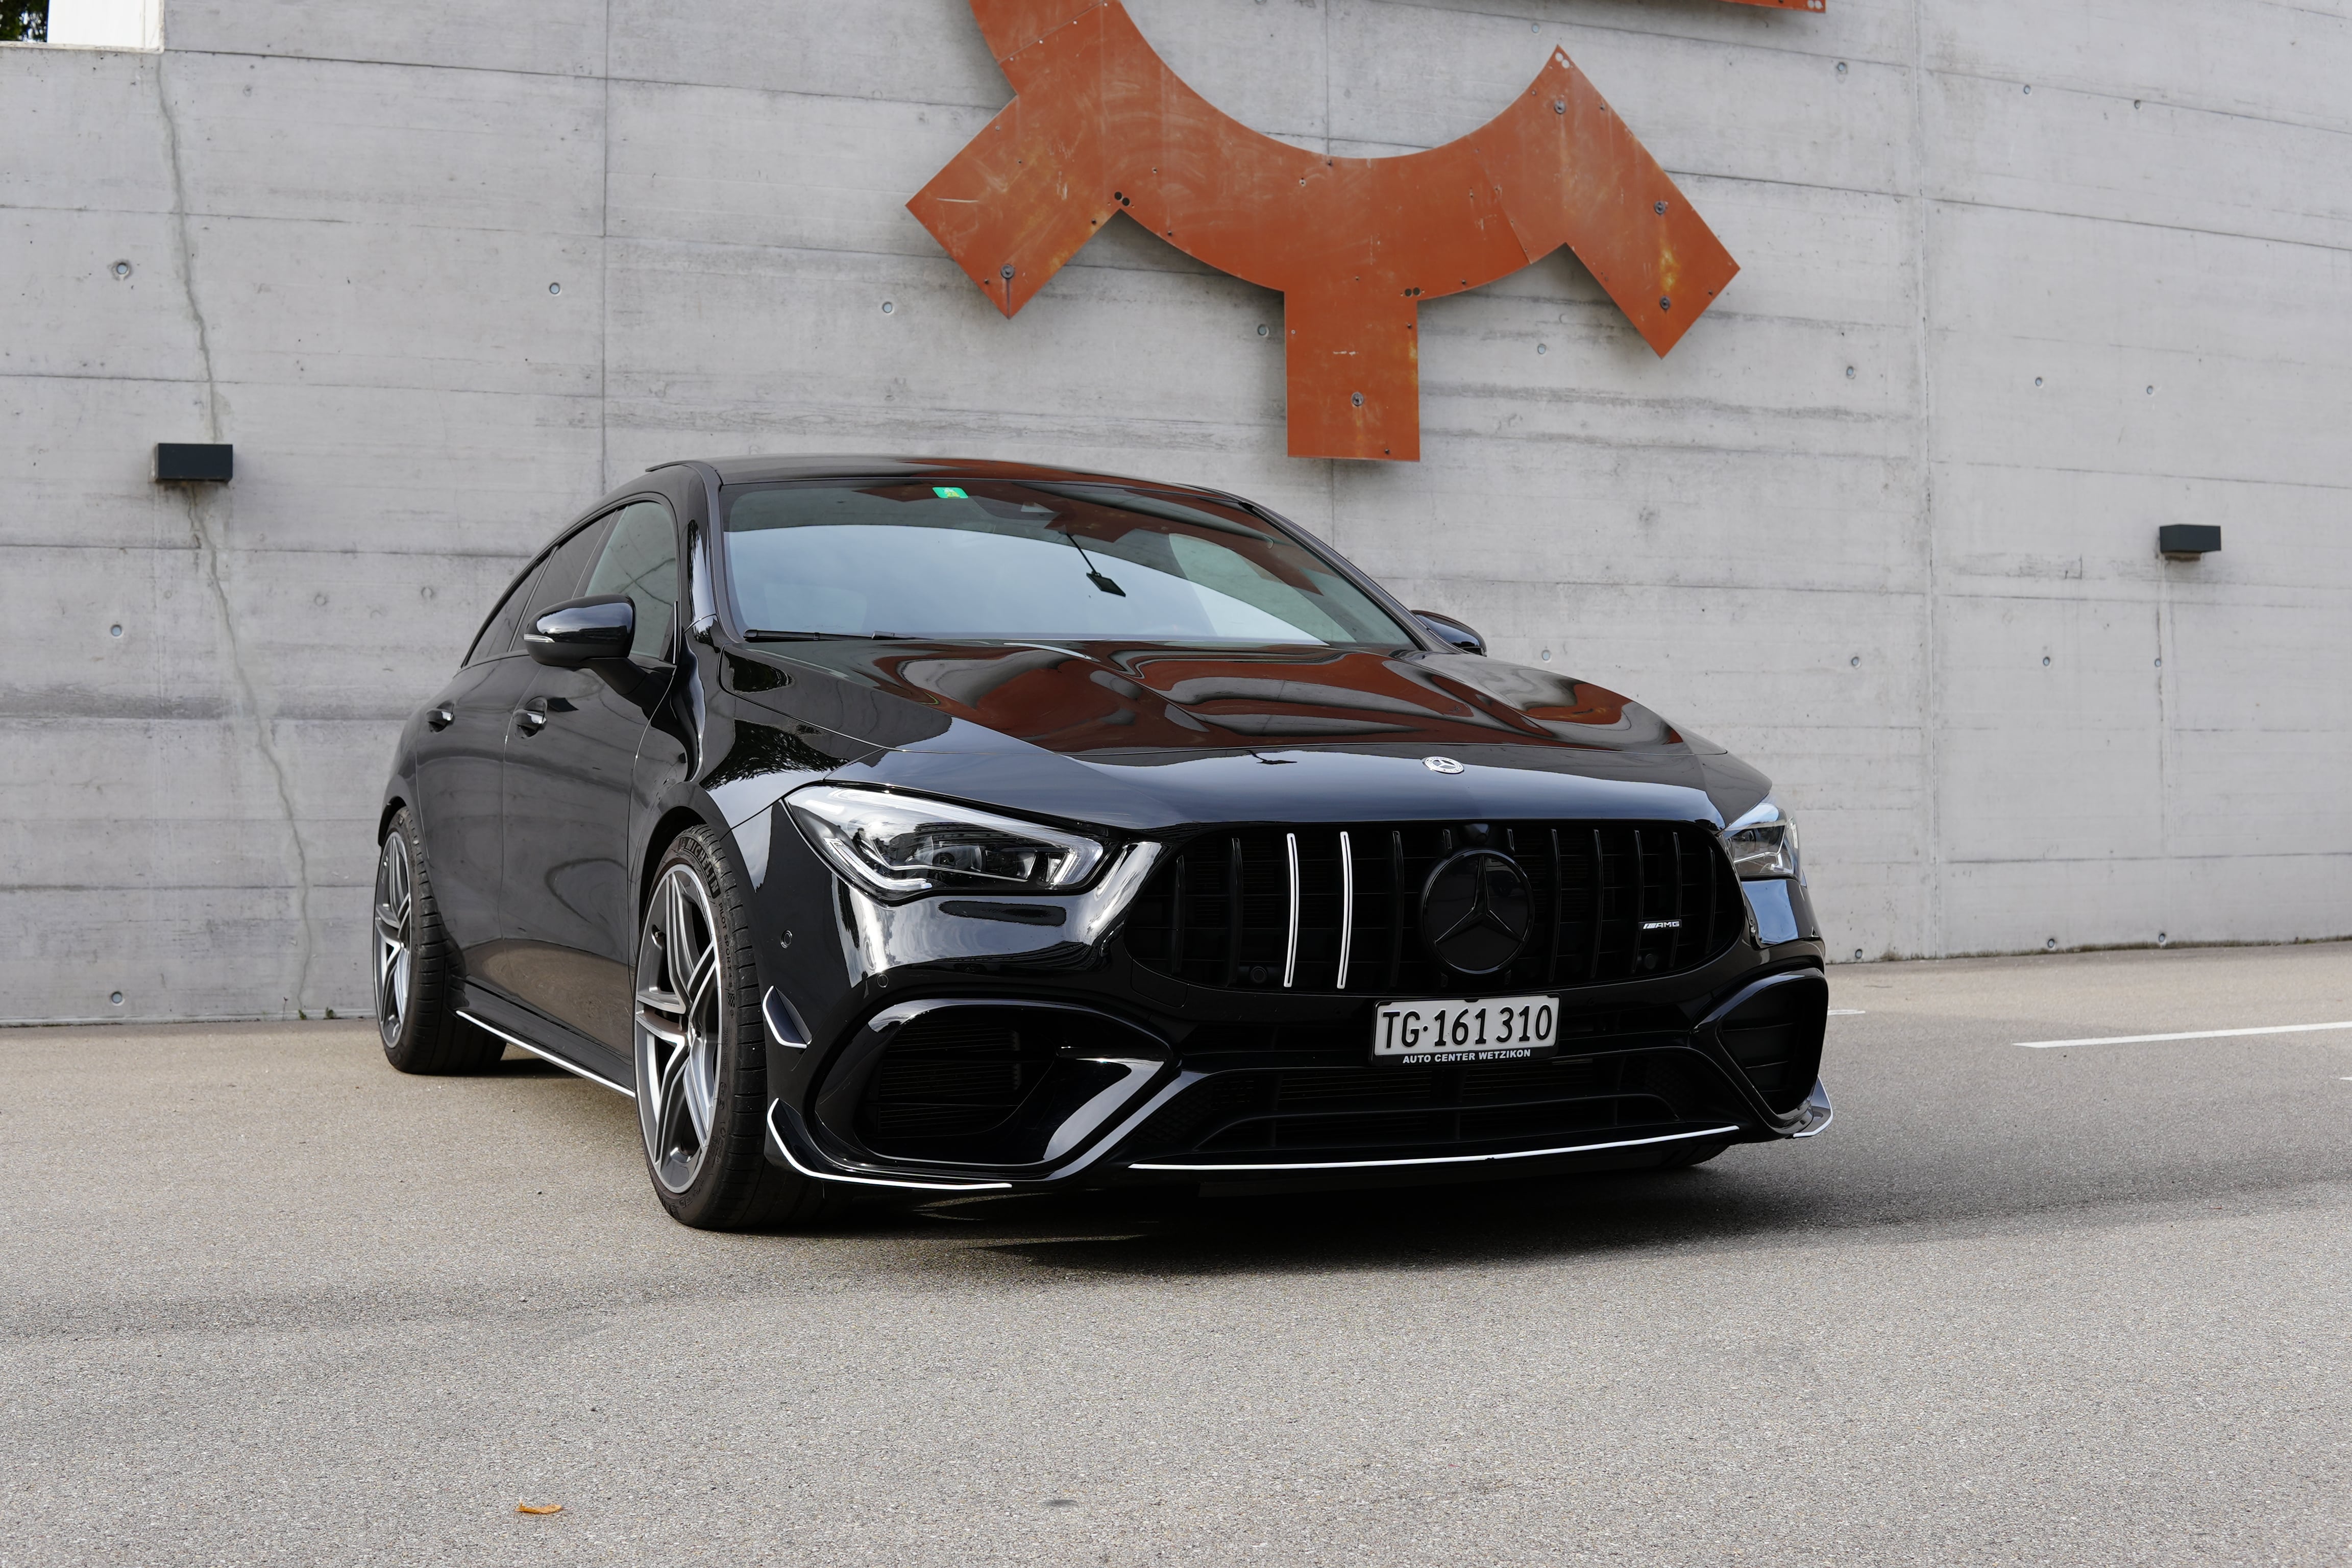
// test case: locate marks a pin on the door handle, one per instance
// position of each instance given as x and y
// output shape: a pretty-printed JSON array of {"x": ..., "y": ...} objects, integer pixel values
[
  {"x": 531, "y": 720},
  {"x": 439, "y": 718}
]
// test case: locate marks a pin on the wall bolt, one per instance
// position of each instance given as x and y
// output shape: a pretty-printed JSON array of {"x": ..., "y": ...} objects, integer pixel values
[
  {"x": 2045, "y": 661},
  {"x": 1559, "y": 106},
  {"x": 1665, "y": 303},
  {"x": 1543, "y": 349},
  {"x": 2161, "y": 938},
  {"x": 2049, "y": 946},
  {"x": 1357, "y": 398},
  {"x": 1855, "y": 662},
  {"x": 1008, "y": 272},
  {"x": 123, "y": 269},
  {"x": 1263, "y": 330},
  {"x": 1857, "y": 955},
  {"x": 115, "y": 997},
  {"x": 1661, "y": 209},
  {"x": 114, "y": 631},
  {"x": 889, "y": 307},
  {"x": 1841, "y": 68},
  {"x": 555, "y": 288},
  {"x": 1849, "y": 373}
]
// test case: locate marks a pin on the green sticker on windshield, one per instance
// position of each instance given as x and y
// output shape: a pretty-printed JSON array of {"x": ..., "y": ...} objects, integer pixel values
[{"x": 949, "y": 492}]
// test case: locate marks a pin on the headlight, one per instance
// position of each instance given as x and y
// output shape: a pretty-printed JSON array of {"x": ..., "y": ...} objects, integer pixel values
[
  {"x": 1763, "y": 843},
  {"x": 899, "y": 847}
]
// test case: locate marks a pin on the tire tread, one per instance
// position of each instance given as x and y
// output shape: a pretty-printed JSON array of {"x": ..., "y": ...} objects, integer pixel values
[
  {"x": 433, "y": 1040},
  {"x": 738, "y": 1188}
]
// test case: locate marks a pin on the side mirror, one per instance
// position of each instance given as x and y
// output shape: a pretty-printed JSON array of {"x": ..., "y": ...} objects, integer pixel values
[
  {"x": 1453, "y": 632},
  {"x": 583, "y": 632}
]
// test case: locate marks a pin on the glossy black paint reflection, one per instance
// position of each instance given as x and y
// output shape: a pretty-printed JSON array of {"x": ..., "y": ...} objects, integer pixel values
[
  {"x": 582, "y": 632},
  {"x": 552, "y": 771}
]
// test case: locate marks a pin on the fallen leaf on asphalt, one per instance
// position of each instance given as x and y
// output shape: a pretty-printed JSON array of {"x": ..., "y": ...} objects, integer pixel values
[{"x": 539, "y": 1508}]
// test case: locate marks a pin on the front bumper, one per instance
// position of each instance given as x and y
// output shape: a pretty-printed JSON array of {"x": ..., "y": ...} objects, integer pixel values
[
  {"x": 1129, "y": 1104},
  {"x": 945, "y": 1047}
]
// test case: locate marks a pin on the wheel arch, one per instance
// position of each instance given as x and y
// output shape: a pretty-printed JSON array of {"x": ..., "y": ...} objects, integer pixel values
[
  {"x": 672, "y": 823},
  {"x": 393, "y": 804}
]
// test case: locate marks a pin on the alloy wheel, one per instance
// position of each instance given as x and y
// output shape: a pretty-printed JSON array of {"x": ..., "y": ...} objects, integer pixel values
[
  {"x": 680, "y": 1006},
  {"x": 395, "y": 936}
]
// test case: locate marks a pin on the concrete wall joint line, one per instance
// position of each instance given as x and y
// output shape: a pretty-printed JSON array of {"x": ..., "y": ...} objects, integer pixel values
[
  {"x": 1930, "y": 696},
  {"x": 605, "y": 269},
  {"x": 208, "y": 547}
]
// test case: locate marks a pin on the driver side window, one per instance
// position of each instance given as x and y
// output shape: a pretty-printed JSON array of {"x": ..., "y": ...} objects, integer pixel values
[{"x": 640, "y": 560}]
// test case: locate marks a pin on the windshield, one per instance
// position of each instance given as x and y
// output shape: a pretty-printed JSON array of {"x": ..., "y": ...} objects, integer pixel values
[{"x": 997, "y": 558}]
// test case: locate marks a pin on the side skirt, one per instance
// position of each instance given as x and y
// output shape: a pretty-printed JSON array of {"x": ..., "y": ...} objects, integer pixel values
[{"x": 526, "y": 1029}]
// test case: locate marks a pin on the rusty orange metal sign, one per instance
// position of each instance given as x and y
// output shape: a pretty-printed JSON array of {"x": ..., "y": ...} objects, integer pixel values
[{"x": 1102, "y": 126}]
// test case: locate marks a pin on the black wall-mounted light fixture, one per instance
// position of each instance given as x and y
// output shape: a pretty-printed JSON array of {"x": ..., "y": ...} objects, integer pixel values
[
  {"x": 2188, "y": 541},
  {"x": 195, "y": 462}
]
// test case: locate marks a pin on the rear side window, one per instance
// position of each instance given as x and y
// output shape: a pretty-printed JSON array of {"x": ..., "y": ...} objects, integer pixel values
[
  {"x": 640, "y": 560},
  {"x": 498, "y": 634}
]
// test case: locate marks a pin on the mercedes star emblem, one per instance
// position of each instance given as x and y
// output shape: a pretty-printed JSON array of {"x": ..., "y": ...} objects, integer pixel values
[
  {"x": 1441, "y": 764},
  {"x": 1477, "y": 910}
]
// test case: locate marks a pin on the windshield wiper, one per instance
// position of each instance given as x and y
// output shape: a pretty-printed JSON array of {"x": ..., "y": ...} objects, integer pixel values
[
  {"x": 1094, "y": 575},
  {"x": 761, "y": 634}
]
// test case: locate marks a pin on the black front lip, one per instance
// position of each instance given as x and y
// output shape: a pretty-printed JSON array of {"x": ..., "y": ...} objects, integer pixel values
[{"x": 1097, "y": 1161}]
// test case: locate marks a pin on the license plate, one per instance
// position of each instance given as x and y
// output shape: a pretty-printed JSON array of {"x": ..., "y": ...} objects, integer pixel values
[{"x": 1488, "y": 1029}]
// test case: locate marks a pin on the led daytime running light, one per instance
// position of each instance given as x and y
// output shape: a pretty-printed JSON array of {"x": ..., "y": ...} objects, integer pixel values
[{"x": 899, "y": 847}]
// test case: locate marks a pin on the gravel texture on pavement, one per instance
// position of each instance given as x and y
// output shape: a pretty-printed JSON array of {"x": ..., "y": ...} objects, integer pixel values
[{"x": 264, "y": 1300}]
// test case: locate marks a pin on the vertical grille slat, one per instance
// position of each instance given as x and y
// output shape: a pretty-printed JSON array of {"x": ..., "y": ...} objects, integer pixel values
[
  {"x": 1599, "y": 905},
  {"x": 1559, "y": 911},
  {"x": 1396, "y": 907},
  {"x": 1233, "y": 868},
  {"x": 1290, "y": 935},
  {"x": 1346, "y": 906},
  {"x": 1337, "y": 910}
]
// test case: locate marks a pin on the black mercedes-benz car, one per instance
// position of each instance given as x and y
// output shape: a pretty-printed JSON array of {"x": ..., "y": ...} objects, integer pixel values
[{"x": 927, "y": 826}]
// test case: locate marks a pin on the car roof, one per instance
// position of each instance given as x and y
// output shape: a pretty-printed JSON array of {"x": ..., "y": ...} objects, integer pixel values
[{"x": 771, "y": 469}]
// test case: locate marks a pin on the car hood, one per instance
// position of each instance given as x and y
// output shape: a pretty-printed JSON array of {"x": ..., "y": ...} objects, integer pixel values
[{"x": 1147, "y": 735}]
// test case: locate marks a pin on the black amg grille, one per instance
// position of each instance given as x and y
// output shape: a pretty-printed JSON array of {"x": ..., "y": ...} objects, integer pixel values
[{"x": 1612, "y": 901}]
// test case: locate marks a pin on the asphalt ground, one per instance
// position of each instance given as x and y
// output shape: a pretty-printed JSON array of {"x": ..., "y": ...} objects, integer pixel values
[{"x": 264, "y": 1300}]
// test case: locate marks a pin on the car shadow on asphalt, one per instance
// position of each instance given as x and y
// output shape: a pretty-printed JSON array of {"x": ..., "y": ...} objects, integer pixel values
[{"x": 1488, "y": 1223}]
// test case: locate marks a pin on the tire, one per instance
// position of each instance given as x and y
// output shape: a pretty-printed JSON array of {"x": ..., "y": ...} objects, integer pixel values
[
  {"x": 701, "y": 1054},
  {"x": 1697, "y": 1153},
  {"x": 415, "y": 977}
]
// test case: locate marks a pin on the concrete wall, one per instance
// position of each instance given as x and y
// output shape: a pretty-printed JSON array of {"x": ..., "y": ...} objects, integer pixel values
[{"x": 1884, "y": 524}]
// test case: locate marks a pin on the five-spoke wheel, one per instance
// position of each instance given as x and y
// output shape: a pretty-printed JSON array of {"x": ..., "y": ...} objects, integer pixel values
[
  {"x": 681, "y": 1013},
  {"x": 415, "y": 984},
  {"x": 395, "y": 936},
  {"x": 702, "y": 1060}
]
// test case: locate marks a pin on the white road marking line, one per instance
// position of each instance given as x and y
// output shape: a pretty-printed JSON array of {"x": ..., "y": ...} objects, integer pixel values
[
  {"x": 1845, "y": 1013},
  {"x": 2191, "y": 1034}
]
